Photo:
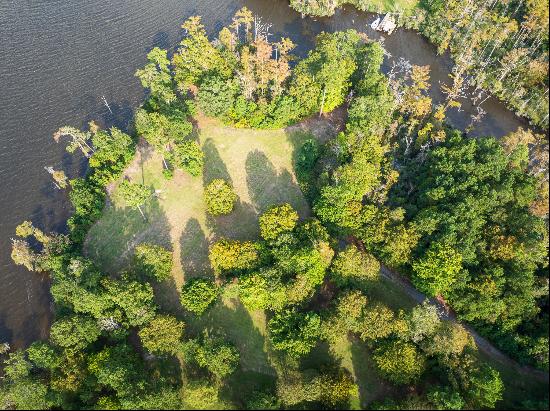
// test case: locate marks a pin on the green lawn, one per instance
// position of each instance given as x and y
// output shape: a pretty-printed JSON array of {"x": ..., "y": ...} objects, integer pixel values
[{"x": 257, "y": 163}]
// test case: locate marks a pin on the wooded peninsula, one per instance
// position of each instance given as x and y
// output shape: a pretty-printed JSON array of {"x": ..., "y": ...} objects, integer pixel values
[{"x": 276, "y": 232}]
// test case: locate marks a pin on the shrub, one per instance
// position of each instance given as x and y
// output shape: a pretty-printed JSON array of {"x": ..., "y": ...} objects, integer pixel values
[{"x": 219, "y": 197}]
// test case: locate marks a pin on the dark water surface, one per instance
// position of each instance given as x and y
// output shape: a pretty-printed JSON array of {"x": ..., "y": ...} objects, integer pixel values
[{"x": 59, "y": 57}]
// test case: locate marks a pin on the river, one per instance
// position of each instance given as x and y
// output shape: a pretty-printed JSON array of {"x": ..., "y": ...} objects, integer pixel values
[{"x": 58, "y": 58}]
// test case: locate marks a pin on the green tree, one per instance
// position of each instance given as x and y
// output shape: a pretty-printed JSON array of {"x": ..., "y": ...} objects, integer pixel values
[
  {"x": 162, "y": 335},
  {"x": 436, "y": 272},
  {"x": 445, "y": 398},
  {"x": 156, "y": 76},
  {"x": 294, "y": 332},
  {"x": 75, "y": 332},
  {"x": 399, "y": 362},
  {"x": 219, "y": 197},
  {"x": 154, "y": 261},
  {"x": 351, "y": 264},
  {"x": 229, "y": 255},
  {"x": 198, "y": 294},
  {"x": 19, "y": 389},
  {"x": 133, "y": 299},
  {"x": 277, "y": 220},
  {"x": 44, "y": 355},
  {"x": 135, "y": 195},
  {"x": 188, "y": 156},
  {"x": 214, "y": 354},
  {"x": 118, "y": 368},
  {"x": 484, "y": 388}
]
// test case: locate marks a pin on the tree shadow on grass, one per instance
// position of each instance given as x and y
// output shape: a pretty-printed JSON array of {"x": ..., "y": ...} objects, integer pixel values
[
  {"x": 194, "y": 251},
  {"x": 167, "y": 296},
  {"x": 214, "y": 167},
  {"x": 267, "y": 187},
  {"x": 240, "y": 224},
  {"x": 231, "y": 319},
  {"x": 371, "y": 386},
  {"x": 112, "y": 240}
]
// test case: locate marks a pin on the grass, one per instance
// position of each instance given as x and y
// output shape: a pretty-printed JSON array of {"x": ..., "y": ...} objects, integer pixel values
[
  {"x": 383, "y": 6},
  {"x": 257, "y": 163}
]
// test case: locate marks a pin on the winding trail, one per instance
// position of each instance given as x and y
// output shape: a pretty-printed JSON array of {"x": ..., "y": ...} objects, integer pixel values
[{"x": 482, "y": 343}]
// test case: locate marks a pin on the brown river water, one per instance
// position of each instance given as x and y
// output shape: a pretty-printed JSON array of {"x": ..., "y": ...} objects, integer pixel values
[{"x": 59, "y": 57}]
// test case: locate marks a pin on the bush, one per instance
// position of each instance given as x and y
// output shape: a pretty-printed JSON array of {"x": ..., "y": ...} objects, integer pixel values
[
  {"x": 219, "y": 197},
  {"x": 198, "y": 294}
]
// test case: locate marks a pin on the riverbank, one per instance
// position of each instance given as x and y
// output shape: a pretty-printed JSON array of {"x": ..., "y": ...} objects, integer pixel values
[{"x": 498, "y": 74}]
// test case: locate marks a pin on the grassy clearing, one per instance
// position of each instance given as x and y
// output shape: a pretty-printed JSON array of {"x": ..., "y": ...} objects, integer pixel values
[{"x": 257, "y": 163}]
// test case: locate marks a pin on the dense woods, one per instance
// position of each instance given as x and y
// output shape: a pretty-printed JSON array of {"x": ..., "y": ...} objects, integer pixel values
[{"x": 464, "y": 219}]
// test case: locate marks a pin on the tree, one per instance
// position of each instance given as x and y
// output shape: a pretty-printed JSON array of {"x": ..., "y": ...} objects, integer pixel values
[
  {"x": 263, "y": 290},
  {"x": 322, "y": 80},
  {"x": 423, "y": 322},
  {"x": 445, "y": 398},
  {"x": 450, "y": 339},
  {"x": 118, "y": 368},
  {"x": 277, "y": 220},
  {"x": 351, "y": 264},
  {"x": 196, "y": 56},
  {"x": 484, "y": 388},
  {"x": 135, "y": 195},
  {"x": 219, "y": 197},
  {"x": 113, "y": 151},
  {"x": 79, "y": 140},
  {"x": 59, "y": 177},
  {"x": 162, "y": 335},
  {"x": 198, "y": 294},
  {"x": 19, "y": 389},
  {"x": 229, "y": 255},
  {"x": 188, "y": 156},
  {"x": 214, "y": 354},
  {"x": 399, "y": 362},
  {"x": 294, "y": 332},
  {"x": 154, "y": 261},
  {"x": 156, "y": 76},
  {"x": 75, "y": 332},
  {"x": 44, "y": 355},
  {"x": 377, "y": 322},
  {"x": 133, "y": 299},
  {"x": 436, "y": 272}
]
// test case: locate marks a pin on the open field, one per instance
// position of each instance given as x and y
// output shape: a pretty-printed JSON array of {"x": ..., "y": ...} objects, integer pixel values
[{"x": 257, "y": 163}]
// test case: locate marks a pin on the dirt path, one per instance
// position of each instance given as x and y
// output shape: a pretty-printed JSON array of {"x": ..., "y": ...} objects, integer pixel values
[{"x": 482, "y": 343}]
